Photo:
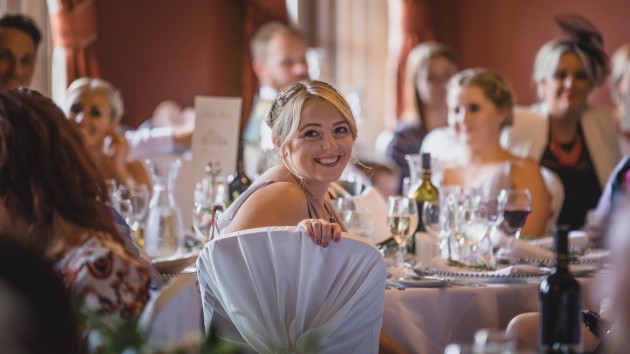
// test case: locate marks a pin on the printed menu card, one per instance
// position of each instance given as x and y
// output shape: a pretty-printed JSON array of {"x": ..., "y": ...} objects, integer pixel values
[{"x": 215, "y": 139}]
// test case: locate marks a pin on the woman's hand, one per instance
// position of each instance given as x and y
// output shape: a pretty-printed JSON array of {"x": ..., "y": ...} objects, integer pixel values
[{"x": 322, "y": 231}]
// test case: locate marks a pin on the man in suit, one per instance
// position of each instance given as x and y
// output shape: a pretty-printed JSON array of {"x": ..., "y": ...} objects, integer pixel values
[{"x": 278, "y": 59}]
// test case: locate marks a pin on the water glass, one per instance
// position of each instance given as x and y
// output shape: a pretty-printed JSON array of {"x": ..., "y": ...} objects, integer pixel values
[
  {"x": 359, "y": 222},
  {"x": 493, "y": 341}
]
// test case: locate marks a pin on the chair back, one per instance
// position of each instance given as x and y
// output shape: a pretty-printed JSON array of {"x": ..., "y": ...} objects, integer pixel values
[
  {"x": 286, "y": 294},
  {"x": 173, "y": 313}
]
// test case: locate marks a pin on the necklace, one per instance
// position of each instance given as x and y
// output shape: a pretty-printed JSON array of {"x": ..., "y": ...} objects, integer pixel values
[{"x": 565, "y": 158}]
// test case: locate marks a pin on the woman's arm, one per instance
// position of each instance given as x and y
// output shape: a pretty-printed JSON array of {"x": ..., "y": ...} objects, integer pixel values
[{"x": 526, "y": 174}]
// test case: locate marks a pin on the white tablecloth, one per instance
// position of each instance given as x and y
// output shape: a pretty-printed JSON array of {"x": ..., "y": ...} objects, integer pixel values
[{"x": 425, "y": 320}]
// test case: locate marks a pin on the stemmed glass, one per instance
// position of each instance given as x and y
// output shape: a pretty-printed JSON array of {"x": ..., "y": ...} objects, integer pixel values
[
  {"x": 515, "y": 206},
  {"x": 209, "y": 199},
  {"x": 139, "y": 197},
  {"x": 402, "y": 215}
]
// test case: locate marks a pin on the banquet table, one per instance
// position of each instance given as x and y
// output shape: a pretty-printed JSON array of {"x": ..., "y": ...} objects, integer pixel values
[{"x": 425, "y": 320}]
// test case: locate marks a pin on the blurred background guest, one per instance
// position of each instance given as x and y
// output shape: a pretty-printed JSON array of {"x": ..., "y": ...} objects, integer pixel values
[
  {"x": 96, "y": 107},
  {"x": 480, "y": 104},
  {"x": 19, "y": 40},
  {"x": 53, "y": 195},
  {"x": 429, "y": 67},
  {"x": 619, "y": 85},
  {"x": 575, "y": 140},
  {"x": 278, "y": 59}
]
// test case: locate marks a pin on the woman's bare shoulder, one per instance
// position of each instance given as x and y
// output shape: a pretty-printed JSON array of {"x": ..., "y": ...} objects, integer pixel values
[{"x": 277, "y": 204}]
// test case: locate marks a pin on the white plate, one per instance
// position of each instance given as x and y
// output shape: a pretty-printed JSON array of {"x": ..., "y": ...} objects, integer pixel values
[
  {"x": 174, "y": 264},
  {"x": 482, "y": 277},
  {"x": 418, "y": 283},
  {"x": 582, "y": 270}
]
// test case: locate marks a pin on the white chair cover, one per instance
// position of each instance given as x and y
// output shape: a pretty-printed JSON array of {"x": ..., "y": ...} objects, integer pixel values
[
  {"x": 285, "y": 294},
  {"x": 173, "y": 313}
]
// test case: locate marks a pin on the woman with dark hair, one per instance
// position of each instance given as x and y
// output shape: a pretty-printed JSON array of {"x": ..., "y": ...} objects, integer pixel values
[
  {"x": 572, "y": 138},
  {"x": 52, "y": 193},
  {"x": 429, "y": 67}
]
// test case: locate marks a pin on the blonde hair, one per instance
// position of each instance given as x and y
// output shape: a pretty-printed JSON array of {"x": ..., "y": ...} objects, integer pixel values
[
  {"x": 494, "y": 86},
  {"x": 285, "y": 113},
  {"x": 549, "y": 55},
  {"x": 620, "y": 61},
  {"x": 83, "y": 84},
  {"x": 419, "y": 57}
]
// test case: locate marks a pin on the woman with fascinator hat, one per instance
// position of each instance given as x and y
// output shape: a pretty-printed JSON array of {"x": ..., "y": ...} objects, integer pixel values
[{"x": 572, "y": 138}]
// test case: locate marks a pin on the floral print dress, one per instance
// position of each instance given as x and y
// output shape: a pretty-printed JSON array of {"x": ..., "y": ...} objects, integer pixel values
[{"x": 108, "y": 281}]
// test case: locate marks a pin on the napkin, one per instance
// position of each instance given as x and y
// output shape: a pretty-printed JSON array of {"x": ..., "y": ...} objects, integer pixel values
[
  {"x": 441, "y": 265},
  {"x": 577, "y": 238},
  {"x": 371, "y": 200},
  {"x": 514, "y": 248}
]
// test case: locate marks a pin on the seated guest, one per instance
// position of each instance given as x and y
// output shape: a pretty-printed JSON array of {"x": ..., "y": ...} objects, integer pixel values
[
  {"x": 619, "y": 85},
  {"x": 597, "y": 220},
  {"x": 96, "y": 107},
  {"x": 575, "y": 140},
  {"x": 429, "y": 66},
  {"x": 480, "y": 104},
  {"x": 313, "y": 130},
  {"x": 52, "y": 193}
]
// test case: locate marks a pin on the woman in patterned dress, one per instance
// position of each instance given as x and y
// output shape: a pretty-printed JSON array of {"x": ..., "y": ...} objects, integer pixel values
[{"x": 52, "y": 193}]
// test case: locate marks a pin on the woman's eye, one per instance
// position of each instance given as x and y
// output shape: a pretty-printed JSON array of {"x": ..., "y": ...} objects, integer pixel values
[
  {"x": 341, "y": 130},
  {"x": 311, "y": 134},
  {"x": 75, "y": 109},
  {"x": 560, "y": 75},
  {"x": 581, "y": 75},
  {"x": 456, "y": 110},
  {"x": 474, "y": 107},
  {"x": 95, "y": 112}
]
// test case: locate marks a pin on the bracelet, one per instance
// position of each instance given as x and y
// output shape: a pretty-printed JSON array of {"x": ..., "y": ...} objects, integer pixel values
[{"x": 592, "y": 321}]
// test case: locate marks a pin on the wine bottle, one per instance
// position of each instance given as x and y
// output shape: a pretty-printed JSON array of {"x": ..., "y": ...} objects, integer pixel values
[
  {"x": 560, "y": 302},
  {"x": 426, "y": 192},
  {"x": 238, "y": 182}
]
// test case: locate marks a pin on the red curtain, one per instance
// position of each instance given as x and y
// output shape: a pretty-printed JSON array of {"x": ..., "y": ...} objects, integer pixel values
[
  {"x": 409, "y": 25},
  {"x": 74, "y": 28},
  {"x": 257, "y": 13}
]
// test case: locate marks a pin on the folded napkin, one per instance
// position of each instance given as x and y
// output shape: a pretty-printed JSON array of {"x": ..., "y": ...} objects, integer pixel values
[
  {"x": 371, "y": 200},
  {"x": 441, "y": 265},
  {"x": 577, "y": 238},
  {"x": 513, "y": 248}
]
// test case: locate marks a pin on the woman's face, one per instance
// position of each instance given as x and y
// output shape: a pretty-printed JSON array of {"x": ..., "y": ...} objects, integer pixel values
[
  {"x": 322, "y": 145},
  {"x": 568, "y": 88},
  {"x": 475, "y": 118},
  {"x": 432, "y": 79},
  {"x": 93, "y": 114}
]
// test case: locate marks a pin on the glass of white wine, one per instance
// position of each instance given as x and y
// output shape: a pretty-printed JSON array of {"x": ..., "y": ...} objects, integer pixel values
[{"x": 402, "y": 221}]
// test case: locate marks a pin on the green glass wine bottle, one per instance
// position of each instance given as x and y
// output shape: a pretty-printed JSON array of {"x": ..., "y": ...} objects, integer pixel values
[{"x": 426, "y": 192}]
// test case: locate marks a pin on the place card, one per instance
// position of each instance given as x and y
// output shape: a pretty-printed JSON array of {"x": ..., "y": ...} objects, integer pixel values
[{"x": 216, "y": 134}]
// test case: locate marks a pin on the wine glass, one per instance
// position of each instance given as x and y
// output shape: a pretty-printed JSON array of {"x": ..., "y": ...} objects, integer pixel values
[
  {"x": 202, "y": 214},
  {"x": 400, "y": 212},
  {"x": 515, "y": 206},
  {"x": 139, "y": 197}
]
